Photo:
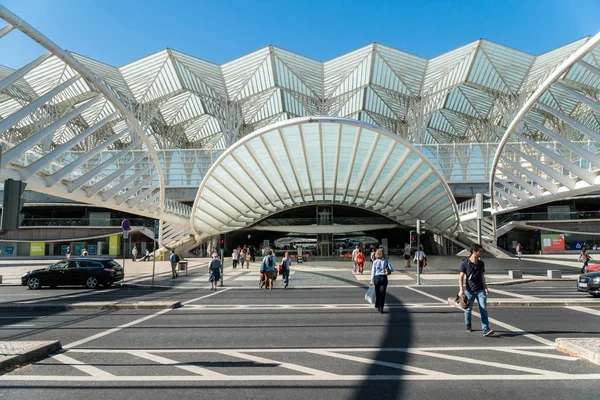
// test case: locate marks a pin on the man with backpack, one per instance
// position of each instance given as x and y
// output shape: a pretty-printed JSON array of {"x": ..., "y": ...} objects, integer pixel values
[
  {"x": 473, "y": 269},
  {"x": 174, "y": 259},
  {"x": 268, "y": 268}
]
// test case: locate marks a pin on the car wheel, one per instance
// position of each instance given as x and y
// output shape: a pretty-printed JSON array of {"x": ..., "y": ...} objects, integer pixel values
[
  {"x": 91, "y": 282},
  {"x": 34, "y": 283}
]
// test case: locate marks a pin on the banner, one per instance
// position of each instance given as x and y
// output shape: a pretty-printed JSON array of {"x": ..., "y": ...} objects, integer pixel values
[
  {"x": 36, "y": 249},
  {"x": 553, "y": 241},
  {"x": 114, "y": 245}
]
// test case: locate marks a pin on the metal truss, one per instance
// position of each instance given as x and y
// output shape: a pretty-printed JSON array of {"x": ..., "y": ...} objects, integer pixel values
[
  {"x": 321, "y": 160},
  {"x": 66, "y": 132},
  {"x": 554, "y": 149}
]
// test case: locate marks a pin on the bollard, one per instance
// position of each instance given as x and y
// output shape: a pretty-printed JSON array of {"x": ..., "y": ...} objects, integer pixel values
[
  {"x": 0, "y": 279},
  {"x": 554, "y": 274},
  {"x": 515, "y": 274}
]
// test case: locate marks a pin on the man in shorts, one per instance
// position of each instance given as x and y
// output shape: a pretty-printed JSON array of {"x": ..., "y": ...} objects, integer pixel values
[{"x": 354, "y": 254}]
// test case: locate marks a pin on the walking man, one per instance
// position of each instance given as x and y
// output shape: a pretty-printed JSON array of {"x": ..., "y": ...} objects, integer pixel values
[
  {"x": 354, "y": 254},
  {"x": 174, "y": 259},
  {"x": 474, "y": 270},
  {"x": 519, "y": 250}
]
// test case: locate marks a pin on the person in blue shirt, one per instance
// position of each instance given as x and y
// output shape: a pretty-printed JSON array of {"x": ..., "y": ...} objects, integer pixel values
[
  {"x": 214, "y": 271},
  {"x": 472, "y": 270},
  {"x": 174, "y": 259},
  {"x": 379, "y": 271}
]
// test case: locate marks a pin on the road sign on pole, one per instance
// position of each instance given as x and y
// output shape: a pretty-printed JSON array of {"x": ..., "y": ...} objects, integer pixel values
[
  {"x": 156, "y": 229},
  {"x": 126, "y": 225}
]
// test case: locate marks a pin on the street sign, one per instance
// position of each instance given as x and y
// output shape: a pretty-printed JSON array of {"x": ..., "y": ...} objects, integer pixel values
[
  {"x": 156, "y": 226},
  {"x": 125, "y": 234},
  {"x": 126, "y": 225},
  {"x": 266, "y": 243}
]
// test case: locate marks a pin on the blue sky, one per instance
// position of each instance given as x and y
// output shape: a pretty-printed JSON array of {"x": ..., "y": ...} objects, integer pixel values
[{"x": 118, "y": 32}]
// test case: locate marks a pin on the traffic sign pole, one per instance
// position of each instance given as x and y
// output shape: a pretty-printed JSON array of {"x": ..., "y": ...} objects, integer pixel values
[
  {"x": 126, "y": 225},
  {"x": 156, "y": 228}
]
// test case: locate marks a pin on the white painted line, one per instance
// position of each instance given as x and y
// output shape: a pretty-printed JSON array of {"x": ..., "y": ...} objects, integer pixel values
[
  {"x": 216, "y": 292},
  {"x": 132, "y": 323},
  {"x": 304, "y": 378},
  {"x": 490, "y": 364},
  {"x": 427, "y": 294},
  {"x": 308, "y": 349},
  {"x": 497, "y": 322},
  {"x": 19, "y": 317},
  {"x": 376, "y": 362},
  {"x": 585, "y": 310},
  {"x": 88, "y": 369},
  {"x": 510, "y": 294},
  {"x": 304, "y": 307},
  {"x": 20, "y": 326},
  {"x": 294, "y": 367},
  {"x": 167, "y": 361},
  {"x": 534, "y": 354}
]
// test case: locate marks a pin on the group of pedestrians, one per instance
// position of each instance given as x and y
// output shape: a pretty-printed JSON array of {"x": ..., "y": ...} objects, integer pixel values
[
  {"x": 269, "y": 270},
  {"x": 242, "y": 255}
]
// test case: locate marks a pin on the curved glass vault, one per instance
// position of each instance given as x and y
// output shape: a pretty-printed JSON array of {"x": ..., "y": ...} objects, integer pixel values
[{"x": 321, "y": 160}]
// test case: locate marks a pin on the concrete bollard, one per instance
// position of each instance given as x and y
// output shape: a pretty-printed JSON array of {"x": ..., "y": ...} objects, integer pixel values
[
  {"x": 0, "y": 279},
  {"x": 554, "y": 274},
  {"x": 515, "y": 274}
]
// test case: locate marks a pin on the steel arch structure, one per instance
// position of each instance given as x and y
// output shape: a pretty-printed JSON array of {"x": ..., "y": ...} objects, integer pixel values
[
  {"x": 321, "y": 160},
  {"x": 66, "y": 133},
  {"x": 555, "y": 149}
]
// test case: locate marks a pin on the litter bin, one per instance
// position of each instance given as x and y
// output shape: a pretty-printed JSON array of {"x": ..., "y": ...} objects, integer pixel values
[{"x": 183, "y": 265}]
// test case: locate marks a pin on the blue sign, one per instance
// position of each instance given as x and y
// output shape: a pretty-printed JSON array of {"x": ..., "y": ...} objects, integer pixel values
[
  {"x": 126, "y": 225},
  {"x": 156, "y": 227},
  {"x": 578, "y": 245},
  {"x": 92, "y": 249},
  {"x": 10, "y": 250}
]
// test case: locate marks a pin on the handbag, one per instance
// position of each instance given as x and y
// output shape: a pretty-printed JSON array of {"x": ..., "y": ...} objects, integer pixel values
[
  {"x": 388, "y": 271},
  {"x": 370, "y": 295}
]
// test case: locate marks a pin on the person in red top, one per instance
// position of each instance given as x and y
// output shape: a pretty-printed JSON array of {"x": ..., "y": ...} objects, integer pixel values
[{"x": 360, "y": 261}]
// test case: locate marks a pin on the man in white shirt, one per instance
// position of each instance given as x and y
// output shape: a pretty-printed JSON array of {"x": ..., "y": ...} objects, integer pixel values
[
  {"x": 235, "y": 256},
  {"x": 354, "y": 254}
]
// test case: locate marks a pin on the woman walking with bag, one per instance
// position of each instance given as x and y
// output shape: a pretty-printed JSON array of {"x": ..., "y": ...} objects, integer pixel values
[
  {"x": 379, "y": 271},
  {"x": 269, "y": 268},
  {"x": 214, "y": 271}
]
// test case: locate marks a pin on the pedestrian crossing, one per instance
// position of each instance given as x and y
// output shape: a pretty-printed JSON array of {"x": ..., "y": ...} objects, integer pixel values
[{"x": 531, "y": 363}]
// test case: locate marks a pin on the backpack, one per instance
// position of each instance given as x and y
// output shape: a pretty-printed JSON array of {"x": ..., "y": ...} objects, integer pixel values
[
  {"x": 177, "y": 257},
  {"x": 269, "y": 261}
]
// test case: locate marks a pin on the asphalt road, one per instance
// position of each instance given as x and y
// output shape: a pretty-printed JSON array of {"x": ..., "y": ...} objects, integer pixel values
[{"x": 301, "y": 344}]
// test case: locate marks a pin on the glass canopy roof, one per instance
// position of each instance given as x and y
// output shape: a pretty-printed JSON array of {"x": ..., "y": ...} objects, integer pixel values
[{"x": 321, "y": 160}]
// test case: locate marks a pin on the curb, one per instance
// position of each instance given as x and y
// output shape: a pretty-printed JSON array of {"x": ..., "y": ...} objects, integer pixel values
[
  {"x": 576, "y": 347},
  {"x": 535, "y": 302},
  {"x": 101, "y": 305},
  {"x": 40, "y": 352},
  {"x": 530, "y": 280}
]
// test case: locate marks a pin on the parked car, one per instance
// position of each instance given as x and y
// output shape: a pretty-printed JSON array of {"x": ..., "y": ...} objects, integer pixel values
[
  {"x": 89, "y": 272},
  {"x": 589, "y": 282}
]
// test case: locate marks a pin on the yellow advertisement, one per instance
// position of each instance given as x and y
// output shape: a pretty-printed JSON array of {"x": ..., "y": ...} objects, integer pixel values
[
  {"x": 36, "y": 249},
  {"x": 114, "y": 245}
]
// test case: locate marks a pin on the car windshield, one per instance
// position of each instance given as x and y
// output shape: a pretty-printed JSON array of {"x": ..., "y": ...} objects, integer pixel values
[{"x": 59, "y": 265}]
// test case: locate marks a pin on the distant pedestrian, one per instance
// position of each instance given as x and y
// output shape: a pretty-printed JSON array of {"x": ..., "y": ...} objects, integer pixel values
[
  {"x": 242, "y": 257},
  {"x": 379, "y": 271},
  {"x": 269, "y": 268},
  {"x": 585, "y": 258},
  {"x": 248, "y": 258},
  {"x": 68, "y": 255},
  {"x": 420, "y": 259},
  {"x": 407, "y": 250},
  {"x": 473, "y": 270},
  {"x": 214, "y": 271},
  {"x": 354, "y": 253},
  {"x": 134, "y": 253},
  {"x": 235, "y": 257},
  {"x": 174, "y": 259},
  {"x": 360, "y": 261},
  {"x": 146, "y": 256},
  {"x": 84, "y": 252},
  {"x": 519, "y": 250},
  {"x": 285, "y": 269},
  {"x": 372, "y": 256},
  {"x": 253, "y": 253}
]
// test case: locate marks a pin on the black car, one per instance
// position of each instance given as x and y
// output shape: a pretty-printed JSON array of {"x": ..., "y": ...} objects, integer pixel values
[
  {"x": 590, "y": 283},
  {"x": 89, "y": 272}
]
